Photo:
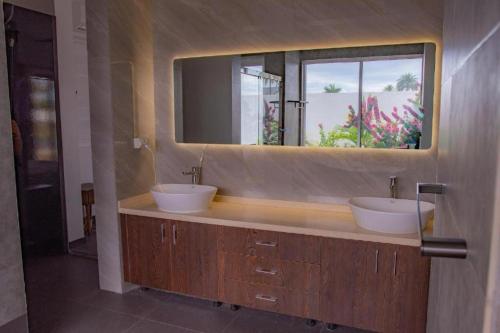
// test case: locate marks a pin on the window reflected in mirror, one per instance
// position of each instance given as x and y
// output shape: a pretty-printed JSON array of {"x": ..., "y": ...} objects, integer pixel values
[{"x": 386, "y": 90}]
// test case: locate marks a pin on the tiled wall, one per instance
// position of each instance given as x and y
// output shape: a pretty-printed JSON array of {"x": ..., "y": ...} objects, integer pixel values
[
  {"x": 467, "y": 162},
  {"x": 12, "y": 295},
  {"x": 128, "y": 94},
  {"x": 121, "y": 103},
  {"x": 197, "y": 28}
]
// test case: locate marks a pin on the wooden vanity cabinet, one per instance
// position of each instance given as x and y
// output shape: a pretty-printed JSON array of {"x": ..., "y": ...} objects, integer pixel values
[
  {"x": 373, "y": 286},
  {"x": 194, "y": 259},
  {"x": 270, "y": 271},
  {"x": 147, "y": 253},
  {"x": 170, "y": 255}
]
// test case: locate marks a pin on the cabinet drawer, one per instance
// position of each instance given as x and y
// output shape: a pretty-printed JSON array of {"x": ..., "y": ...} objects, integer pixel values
[
  {"x": 269, "y": 298},
  {"x": 270, "y": 271},
  {"x": 270, "y": 244}
]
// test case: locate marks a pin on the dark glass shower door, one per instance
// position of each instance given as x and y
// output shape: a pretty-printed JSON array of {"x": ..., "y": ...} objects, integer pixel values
[{"x": 30, "y": 40}]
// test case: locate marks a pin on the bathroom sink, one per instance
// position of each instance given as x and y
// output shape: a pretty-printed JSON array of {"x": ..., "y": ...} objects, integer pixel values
[
  {"x": 393, "y": 216},
  {"x": 183, "y": 198}
]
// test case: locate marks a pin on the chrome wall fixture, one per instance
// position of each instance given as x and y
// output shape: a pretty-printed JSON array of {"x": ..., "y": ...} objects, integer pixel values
[{"x": 437, "y": 246}]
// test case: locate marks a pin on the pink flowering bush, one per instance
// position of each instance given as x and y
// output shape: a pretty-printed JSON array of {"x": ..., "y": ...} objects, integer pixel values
[{"x": 380, "y": 129}]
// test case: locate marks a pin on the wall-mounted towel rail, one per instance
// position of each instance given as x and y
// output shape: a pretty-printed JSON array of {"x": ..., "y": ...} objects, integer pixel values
[{"x": 437, "y": 246}]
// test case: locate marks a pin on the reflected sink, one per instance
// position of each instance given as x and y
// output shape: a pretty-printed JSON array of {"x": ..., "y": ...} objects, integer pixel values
[
  {"x": 183, "y": 198},
  {"x": 392, "y": 216}
]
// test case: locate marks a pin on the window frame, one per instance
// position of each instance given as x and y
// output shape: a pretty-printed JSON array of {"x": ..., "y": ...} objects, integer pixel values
[{"x": 392, "y": 52}]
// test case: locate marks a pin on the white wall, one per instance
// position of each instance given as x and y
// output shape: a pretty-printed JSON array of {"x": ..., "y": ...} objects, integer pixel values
[{"x": 74, "y": 105}]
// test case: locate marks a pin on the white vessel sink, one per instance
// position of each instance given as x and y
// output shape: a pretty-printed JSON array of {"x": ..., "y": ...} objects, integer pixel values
[
  {"x": 393, "y": 216},
  {"x": 183, "y": 198}
]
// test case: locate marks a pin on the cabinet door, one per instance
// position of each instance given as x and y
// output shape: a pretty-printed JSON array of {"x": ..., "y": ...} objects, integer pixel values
[
  {"x": 356, "y": 283},
  {"x": 373, "y": 293},
  {"x": 195, "y": 259},
  {"x": 146, "y": 251},
  {"x": 338, "y": 280},
  {"x": 408, "y": 306}
]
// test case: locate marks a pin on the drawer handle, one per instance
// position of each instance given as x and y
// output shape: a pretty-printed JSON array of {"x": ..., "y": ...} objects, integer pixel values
[
  {"x": 266, "y": 271},
  {"x": 266, "y": 298},
  {"x": 266, "y": 243}
]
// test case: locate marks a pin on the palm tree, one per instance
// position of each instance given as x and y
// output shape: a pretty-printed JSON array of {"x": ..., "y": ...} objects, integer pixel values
[
  {"x": 389, "y": 87},
  {"x": 332, "y": 89},
  {"x": 407, "y": 81}
]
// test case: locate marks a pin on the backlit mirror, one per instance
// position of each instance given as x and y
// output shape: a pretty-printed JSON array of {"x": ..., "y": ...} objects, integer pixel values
[{"x": 377, "y": 97}]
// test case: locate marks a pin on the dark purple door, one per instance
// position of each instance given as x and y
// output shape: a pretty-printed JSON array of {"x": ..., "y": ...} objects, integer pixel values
[{"x": 31, "y": 51}]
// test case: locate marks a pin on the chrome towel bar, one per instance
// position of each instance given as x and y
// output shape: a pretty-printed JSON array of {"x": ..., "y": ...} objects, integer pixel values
[{"x": 437, "y": 246}]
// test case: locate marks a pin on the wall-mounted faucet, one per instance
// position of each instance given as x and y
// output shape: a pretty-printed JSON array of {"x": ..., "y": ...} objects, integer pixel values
[
  {"x": 195, "y": 172},
  {"x": 393, "y": 186}
]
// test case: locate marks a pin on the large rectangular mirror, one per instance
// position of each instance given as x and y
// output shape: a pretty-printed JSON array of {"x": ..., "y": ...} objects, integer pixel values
[{"x": 376, "y": 96}]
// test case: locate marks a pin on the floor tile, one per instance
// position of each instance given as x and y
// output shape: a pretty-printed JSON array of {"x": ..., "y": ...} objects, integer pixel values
[
  {"x": 64, "y": 296},
  {"x": 135, "y": 304},
  {"x": 253, "y": 321},
  {"x": 193, "y": 314},
  {"x": 86, "y": 246},
  {"x": 85, "y": 319},
  {"x": 19, "y": 325},
  {"x": 146, "y": 326}
]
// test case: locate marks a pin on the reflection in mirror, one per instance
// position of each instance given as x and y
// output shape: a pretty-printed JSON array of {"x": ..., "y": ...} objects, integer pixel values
[{"x": 375, "y": 97}]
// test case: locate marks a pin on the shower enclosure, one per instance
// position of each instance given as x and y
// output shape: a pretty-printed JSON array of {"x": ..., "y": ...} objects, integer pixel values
[
  {"x": 31, "y": 46},
  {"x": 260, "y": 107}
]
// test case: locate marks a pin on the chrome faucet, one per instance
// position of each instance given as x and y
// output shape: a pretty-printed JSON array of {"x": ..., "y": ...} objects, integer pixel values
[
  {"x": 195, "y": 172},
  {"x": 393, "y": 186}
]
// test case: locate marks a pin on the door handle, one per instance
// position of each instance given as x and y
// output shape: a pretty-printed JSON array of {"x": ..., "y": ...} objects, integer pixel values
[
  {"x": 266, "y": 298},
  {"x": 266, "y": 271},
  {"x": 162, "y": 229},
  {"x": 266, "y": 243},
  {"x": 376, "y": 261},
  {"x": 395, "y": 263},
  {"x": 438, "y": 246},
  {"x": 174, "y": 234}
]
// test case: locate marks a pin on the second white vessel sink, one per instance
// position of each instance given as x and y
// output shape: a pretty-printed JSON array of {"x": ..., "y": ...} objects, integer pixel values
[
  {"x": 183, "y": 198},
  {"x": 393, "y": 216}
]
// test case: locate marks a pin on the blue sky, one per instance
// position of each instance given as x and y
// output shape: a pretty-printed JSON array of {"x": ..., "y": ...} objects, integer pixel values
[{"x": 376, "y": 74}]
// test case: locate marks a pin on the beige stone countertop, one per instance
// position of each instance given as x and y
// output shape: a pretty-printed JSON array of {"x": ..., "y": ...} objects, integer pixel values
[{"x": 316, "y": 219}]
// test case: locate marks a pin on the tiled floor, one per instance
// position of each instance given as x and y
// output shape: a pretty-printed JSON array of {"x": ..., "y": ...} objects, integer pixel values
[
  {"x": 86, "y": 247},
  {"x": 63, "y": 296}
]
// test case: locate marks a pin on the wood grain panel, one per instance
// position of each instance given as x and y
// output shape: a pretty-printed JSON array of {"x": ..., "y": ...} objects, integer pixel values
[
  {"x": 148, "y": 253},
  {"x": 410, "y": 292},
  {"x": 269, "y": 298},
  {"x": 299, "y": 248},
  {"x": 249, "y": 242},
  {"x": 125, "y": 245},
  {"x": 373, "y": 293},
  {"x": 270, "y": 244},
  {"x": 338, "y": 280},
  {"x": 269, "y": 271},
  {"x": 195, "y": 269}
]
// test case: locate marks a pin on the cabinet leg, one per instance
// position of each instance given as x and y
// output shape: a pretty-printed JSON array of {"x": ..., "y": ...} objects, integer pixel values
[
  {"x": 311, "y": 322},
  {"x": 234, "y": 307},
  {"x": 216, "y": 304},
  {"x": 332, "y": 327}
]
